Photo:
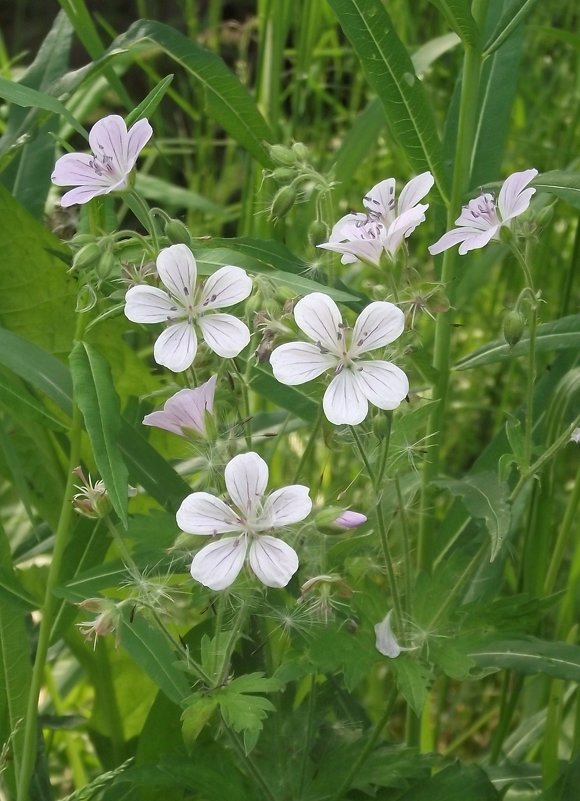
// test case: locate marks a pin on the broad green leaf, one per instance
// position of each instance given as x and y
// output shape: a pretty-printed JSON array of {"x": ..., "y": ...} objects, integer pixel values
[
  {"x": 294, "y": 399},
  {"x": 455, "y": 782},
  {"x": 413, "y": 680},
  {"x": 487, "y": 498},
  {"x": 228, "y": 101},
  {"x": 458, "y": 15},
  {"x": 21, "y": 403},
  {"x": 391, "y": 74},
  {"x": 12, "y": 591},
  {"x": 92, "y": 582},
  {"x": 566, "y": 787},
  {"x": 244, "y": 713},
  {"x": 198, "y": 712},
  {"x": 557, "y": 335},
  {"x": 149, "y": 649},
  {"x": 27, "y": 97},
  {"x": 529, "y": 655},
  {"x": 340, "y": 651},
  {"x": 254, "y": 683},
  {"x": 561, "y": 183},
  {"x": 513, "y": 16},
  {"x": 148, "y": 105},
  {"x": 99, "y": 404}
]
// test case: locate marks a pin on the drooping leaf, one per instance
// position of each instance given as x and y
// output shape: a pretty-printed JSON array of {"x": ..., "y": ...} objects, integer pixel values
[
  {"x": 31, "y": 98},
  {"x": 196, "y": 716}
]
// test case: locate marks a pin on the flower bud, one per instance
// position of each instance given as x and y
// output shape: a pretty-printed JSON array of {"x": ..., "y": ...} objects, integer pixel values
[
  {"x": 379, "y": 292},
  {"x": 283, "y": 201},
  {"x": 381, "y": 426},
  {"x": 106, "y": 264},
  {"x": 350, "y": 519},
  {"x": 317, "y": 233},
  {"x": 326, "y": 517},
  {"x": 300, "y": 150},
  {"x": 88, "y": 255},
  {"x": 513, "y": 327},
  {"x": 177, "y": 233},
  {"x": 544, "y": 216},
  {"x": 283, "y": 174},
  {"x": 281, "y": 155}
]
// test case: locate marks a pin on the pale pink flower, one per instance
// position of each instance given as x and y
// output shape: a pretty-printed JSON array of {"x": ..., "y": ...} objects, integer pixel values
[
  {"x": 481, "y": 220},
  {"x": 115, "y": 151},
  {"x": 349, "y": 519},
  {"x": 218, "y": 564},
  {"x": 386, "y": 642},
  {"x": 185, "y": 411},
  {"x": 356, "y": 382}
]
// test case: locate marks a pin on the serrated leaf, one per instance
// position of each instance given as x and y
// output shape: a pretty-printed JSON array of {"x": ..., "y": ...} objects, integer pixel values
[
  {"x": 197, "y": 714},
  {"x": 413, "y": 680},
  {"x": 99, "y": 404},
  {"x": 243, "y": 712},
  {"x": 255, "y": 683},
  {"x": 340, "y": 651}
]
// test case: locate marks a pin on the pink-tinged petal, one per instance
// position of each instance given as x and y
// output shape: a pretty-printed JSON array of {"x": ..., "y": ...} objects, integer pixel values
[
  {"x": 451, "y": 238},
  {"x": 137, "y": 137},
  {"x": 178, "y": 272},
  {"x": 108, "y": 138},
  {"x": 478, "y": 240},
  {"x": 286, "y": 506},
  {"x": 347, "y": 227},
  {"x": 148, "y": 304},
  {"x": 415, "y": 191},
  {"x": 176, "y": 347},
  {"x": 185, "y": 410},
  {"x": 512, "y": 199},
  {"x": 386, "y": 643},
  {"x": 318, "y": 316},
  {"x": 204, "y": 514},
  {"x": 218, "y": 564},
  {"x": 349, "y": 519},
  {"x": 297, "y": 363},
  {"x": 224, "y": 334},
  {"x": 480, "y": 213},
  {"x": 226, "y": 286},
  {"x": 383, "y": 384},
  {"x": 344, "y": 403},
  {"x": 246, "y": 478},
  {"x": 367, "y": 250},
  {"x": 74, "y": 169},
  {"x": 379, "y": 324},
  {"x": 273, "y": 561},
  {"x": 82, "y": 194},
  {"x": 403, "y": 226},
  {"x": 380, "y": 200},
  {"x": 162, "y": 419}
]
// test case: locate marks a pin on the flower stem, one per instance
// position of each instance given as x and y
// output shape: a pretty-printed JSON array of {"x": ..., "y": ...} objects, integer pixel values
[
  {"x": 310, "y": 445},
  {"x": 231, "y": 644},
  {"x": 141, "y": 210}
]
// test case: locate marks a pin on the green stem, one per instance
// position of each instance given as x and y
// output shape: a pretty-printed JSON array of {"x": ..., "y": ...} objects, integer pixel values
[
  {"x": 251, "y": 766},
  {"x": 562, "y": 539},
  {"x": 231, "y": 644},
  {"x": 543, "y": 459},
  {"x": 141, "y": 210},
  {"x": 308, "y": 735},
  {"x": 310, "y": 446},
  {"x": 406, "y": 543}
]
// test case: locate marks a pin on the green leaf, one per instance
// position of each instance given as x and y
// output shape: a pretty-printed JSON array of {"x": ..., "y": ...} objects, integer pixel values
[
  {"x": 294, "y": 399},
  {"x": 566, "y": 787},
  {"x": 148, "y": 105},
  {"x": 228, "y": 101},
  {"x": 561, "y": 183},
  {"x": 557, "y": 335},
  {"x": 21, "y": 403},
  {"x": 12, "y": 591},
  {"x": 529, "y": 655},
  {"x": 455, "y": 782},
  {"x": 341, "y": 651},
  {"x": 244, "y": 713},
  {"x": 27, "y": 97},
  {"x": 255, "y": 683},
  {"x": 413, "y": 680},
  {"x": 458, "y": 15},
  {"x": 513, "y": 16},
  {"x": 485, "y": 497},
  {"x": 197, "y": 714},
  {"x": 167, "y": 194},
  {"x": 92, "y": 582},
  {"x": 391, "y": 74},
  {"x": 99, "y": 404}
]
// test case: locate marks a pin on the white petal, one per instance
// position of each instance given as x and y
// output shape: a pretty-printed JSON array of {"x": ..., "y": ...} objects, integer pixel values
[
  {"x": 346, "y": 227},
  {"x": 82, "y": 194},
  {"x": 296, "y": 363},
  {"x": 318, "y": 316},
  {"x": 218, "y": 564},
  {"x": 343, "y": 401},
  {"x": 178, "y": 272},
  {"x": 379, "y": 324},
  {"x": 286, "y": 506},
  {"x": 246, "y": 478},
  {"x": 386, "y": 642},
  {"x": 367, "y": 250},
  {"x": 381, "y": 199},
  {"x": 74, "y": 169},
  {"x": 176, "y": 347},
  {"x": 415, "y": 191},
  {"x": 137, "y": 137},
  {"x": 403, "y": 226},
  {"x": 108, "y": 137},
  {"x": 161, "y": 419},
  {"x": 454, "y": 237},
  {"x": 226, "y": 286},
  {"x": 383, "y": 384},
  {"x": 480, "y": 213},
  {"x": 513, "y": 200},
  {"x": 224, "y": 334},
  {"x": 204, "y": 514},
  {"x": 148, "y": 304},
  {"x": 273, "y": 561},
  {"x": 478, "y": 240}
]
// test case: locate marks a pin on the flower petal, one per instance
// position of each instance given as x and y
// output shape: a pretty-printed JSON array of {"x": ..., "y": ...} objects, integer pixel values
[
  {"x": 346, "y": 227},
  {"x": 204, "y": 514},
  {"x": 383, "y": 384},
  {"x": 513, "y": 200},
  {"x": 185, "y": 410},
  {"x": 226, "y": 286},
  {"x": 176, "y": 347},
  {"x": 178, "y": 272},
  {"x": 297, "y": 363},
  {"x": 148, "y": 304},
  {"x": 286, "y": 506},
  {"x": 480, "y": 213},
  {"x": 367, "y": 250},
  {"x": 137, "y": 137},
  {"x": 108, "y": 137},
  {"x": 343, "y": 401},
  {"x": 318, "y": 316},
  {"x": 454, "y": 237},
  {"x": 246, "y": 477},
  {"x": 82, "y": 194},
  {"x": 273, "y": 561},
  {"x": 224, "y": 334},
  {"x": 478, "y": 240},
  {"x": 386, "y": 642},
  {"x": 75, "y": 169},
  {"x": 403, "y": 226},
  {"x": 218, "y": 564},
  {"x": 380, "y": 200},
  {"x": 415, "y": 191},
  {"x": 379, "y": 324}
]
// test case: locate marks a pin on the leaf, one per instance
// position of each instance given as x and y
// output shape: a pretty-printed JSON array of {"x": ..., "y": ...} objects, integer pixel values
[
  {"x": 554, "y": 336},
  {"x": 92, "y": 582},
  {"x": 255, "y": 683},
  {"x": 340, "y": 651},
  {"x": 12, "y": 591},
  {"x": 513, "y": 16},
  {"x": 27, "y": 97},
  {"x": 563, "y": 184},
  {"x": 228, "y": 101},
  {"x": 198, "y": 712},
  {"x": 458, "y": 15},
  {"x": 244, "y": 713},
  {"x": 413, "y": 680},
  {"x": 99, "y": 404},
  {"x": 148, "y": 105},
  {"x": 22, "y": 405},
  {"x": 455, "y": 782},
  {"x": 166, "y": 193},
  {"x": 566, "y": 787},
  {"x": 294, "y": 399},
  {"x": 486, "y": 497},
  {"x": 529, "y": 655},
  {"x": 391, "y": 74}
]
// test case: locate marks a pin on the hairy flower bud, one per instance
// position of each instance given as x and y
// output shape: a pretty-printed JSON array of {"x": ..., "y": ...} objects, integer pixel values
[
  {"x": 281, "y": 155},
  {"x": 106, "y": 264},
  {"x": 283, "y": 201},
  {"x": 317, "y": 232},
  {"x": 177, "y": 233},
  {"x": 513, "y": 327},
  {"x": 88, "y": 255},
  {"x": 283, "y": 174},
  {"x": 300, "y": 150}
]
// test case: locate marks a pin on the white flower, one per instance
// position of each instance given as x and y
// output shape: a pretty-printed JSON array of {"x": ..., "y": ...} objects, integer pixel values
[
  {"x": 356, "y": 382},
  {"x": 386, "y": 223},
  {"x": 115, "y": 150},
  {"x": 177, "y": 345},
  {"x": 575, "y": 436},
  {"x": 386, "y": 642},
  {"x": 481, "y": 220},
  {"x": 273, "y": 561},
  {"x": 186, "y": 411}
]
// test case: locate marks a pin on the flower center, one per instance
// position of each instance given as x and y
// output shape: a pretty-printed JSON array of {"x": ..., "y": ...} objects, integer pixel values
[{"x": 102, "y": 164}]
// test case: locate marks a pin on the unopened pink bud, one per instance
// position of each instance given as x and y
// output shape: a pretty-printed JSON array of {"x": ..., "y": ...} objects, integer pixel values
[{"x": 350, "y": 519}]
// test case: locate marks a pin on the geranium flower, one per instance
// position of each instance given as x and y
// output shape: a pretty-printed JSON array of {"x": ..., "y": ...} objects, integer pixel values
[
  {"x": 185, "y": 411},
  {"x": 273, "y": 561},
  {"x": 386, "y": 642},
  {"x": 386, "y": 223},
  {"x": 176, "y": 347},
  {"x": 481, "y": 220},
  {"x": 356, "y": 382},
  {"x": 115, "y": 152}
]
